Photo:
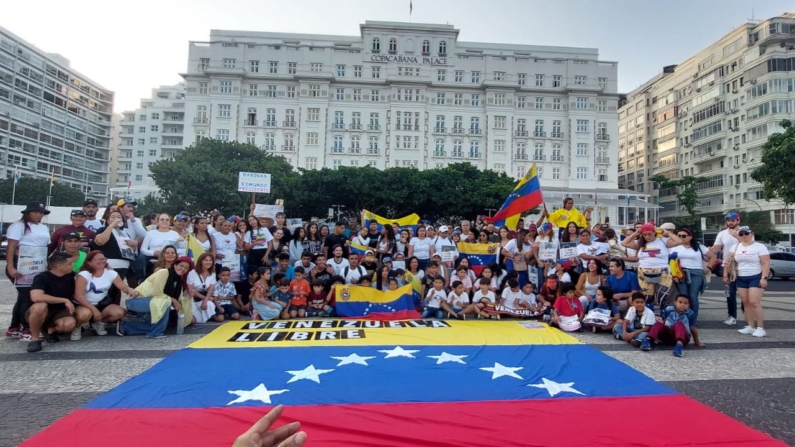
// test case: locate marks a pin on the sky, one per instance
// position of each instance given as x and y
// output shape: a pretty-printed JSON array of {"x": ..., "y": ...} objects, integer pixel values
[{"x": 140, "y": 45}]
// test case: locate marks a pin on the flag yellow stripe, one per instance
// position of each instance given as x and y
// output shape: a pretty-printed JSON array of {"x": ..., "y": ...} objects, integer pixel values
[{"x": 360, "y": 294}]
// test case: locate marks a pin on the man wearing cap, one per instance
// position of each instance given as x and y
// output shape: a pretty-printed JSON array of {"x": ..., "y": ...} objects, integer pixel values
[
  {"x": 669, "y": 227},
  {"x": 71, "y": 246},
  {"x": 725, "y": 242},
  {"x": 443, "y": 240},
  {"x": 78, "y": 218},
  {"x": 91, "y": 208}
]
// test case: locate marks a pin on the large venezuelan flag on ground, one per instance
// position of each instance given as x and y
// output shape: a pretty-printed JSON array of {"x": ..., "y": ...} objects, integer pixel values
[{"x": 397, "y": 383}]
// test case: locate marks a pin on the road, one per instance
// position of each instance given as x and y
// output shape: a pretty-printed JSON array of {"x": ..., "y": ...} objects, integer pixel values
[{"x": 752, "y": 380}]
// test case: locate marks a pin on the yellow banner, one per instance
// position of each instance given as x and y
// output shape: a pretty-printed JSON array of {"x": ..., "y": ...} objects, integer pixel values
[{"x": 293, "y": 333}]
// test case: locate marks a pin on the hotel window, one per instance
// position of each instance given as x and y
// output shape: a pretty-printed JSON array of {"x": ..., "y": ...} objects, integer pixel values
[
  {"x": 311, "y": 163},
  {"x": 316, "y": 67},
  {"x": 376, "y": 73},
  {"x": 458, "y": 99},
  {"x": 499, "y": 99},
  {"x": 555, "y": 173},
  {"x": 204, "y": 63},
  {"x": 556, "y": 104},
  {"x": 582, "y": 173},
  {"x": 357, "y": 94},
  {"x": 440, "y": 98},
  {"x": 224, "y": 110},
  {"x": 340, "y": 95},
  {"x": 314, "y": 91},
  {"x": 499, "y": 122},
  {"x": 476, "y": 77},
  {"x": 311, "y": 138},
  {"x": 582, "y": 103},
  {"x": 153, "y": 152},
  {"x": 539, "y": 80},
  {"x": 556, "y": 80},
  {"x": 520, "y": 102},
  {"x": 152, "y": 140},
  {"x": 222, "y": 135},
  {"x": 252, "y": 90},
  {"x": 251, "y": 138},
  {"x": 313, "y": 114},
  {"x": 141, "y": 141},
  {"x": 271, "y": 93},
  {"x": 601, "y": 106},
  {"x": 426, "y": 48},
  {"x": 203, "y": 88},
  {"x": 291, "y": 67},
  {"x": 499, "y": 75},
  {"x": 522, "y": 78},
  {"x": 253, "y": 66},
  {"x": 229, "y": 63},
  {"x": 273, "y": 67},
  {"x": 441, "y": 75},
  {"x": 499, "y": 145},
  {"x": 582, "y": 149},
  {"x": 226, "y": 87},
  {"x": 459, "y": 76},
  {"x": 376, "y": 48},
  {"x": 357, "y": 71},
  {"x": 340, "y": 71},
  {"x": 392, "y": 46},
  {"x": 442, "y": 48},
  {"x": 374, "y": 96},
  {"x": 475, "y": 101},
  {"x": 580, "y": 80},
  {"x": 539, "y": 102},
  {"x": 603, "y": 83},
  {"x": 291, "y": 91},
  {"x": 582, "y": 125}
]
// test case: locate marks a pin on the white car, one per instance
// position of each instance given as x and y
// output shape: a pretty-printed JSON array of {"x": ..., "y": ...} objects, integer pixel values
[{"x": 782, "y": 265}]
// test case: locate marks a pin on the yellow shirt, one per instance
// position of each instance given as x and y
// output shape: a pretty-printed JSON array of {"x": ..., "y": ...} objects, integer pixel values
[
  {"x": 562, "y": 217},
  {"x": 160, "y": 302}
]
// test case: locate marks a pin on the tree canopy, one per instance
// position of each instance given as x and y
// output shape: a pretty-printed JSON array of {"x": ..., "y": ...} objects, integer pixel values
[
  {"x": 31, "y": 189},
  {"x": 778, "y": 158},
  {"x": 204, "y": 177},
  {"x": 685, "y": 188}
]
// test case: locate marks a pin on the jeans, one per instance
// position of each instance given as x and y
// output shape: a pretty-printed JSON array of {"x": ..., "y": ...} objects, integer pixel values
[
  {"x": 669, "y": 335},
  {"x": 619, "y": 330},
  {"x": 433, "y": 312},
  {"x": 142, "y": 324},
  {"x": 731, "y": 298},
  {"x": 424, "y": 263},
  {"x": 21, "y": 307},
  {"x": 693, "y": 290}
]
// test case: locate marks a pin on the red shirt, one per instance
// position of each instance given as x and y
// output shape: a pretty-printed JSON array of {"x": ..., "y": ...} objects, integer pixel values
[
  {"x": 566, "y": 307},
  {"x": 317, "y": 298},
  {"x": 296, "y": 287}
]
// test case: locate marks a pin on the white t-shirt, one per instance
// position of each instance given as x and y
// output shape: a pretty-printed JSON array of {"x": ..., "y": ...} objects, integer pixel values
[
  {"x": 301, "y": 264},
  {"x": 509, "y": 297},
  {"x": 260, "y": 234},
  {"x": 199, "y": 284},
  {"x": 38, "y": 236},
  {"x": 435, "y": 298},
  {"x": 689, "y": 258},
  {"x": 353, "y": 275},
  {"x": 225, "y": 244},
  {"x": 478, "y": 295},
  {"x": 512, "y": 247},
  {"x": 422, "y": 247},
  {"x": 528, "y": 299},
  {"x": 748, "y": 263},
  {"x": 647, "y": 319},
  {"x": 726, "y": 241},
  {"x": 338, "y": 266},
  {"x": 442, "y": 242},
  {"x": 595, "y": 249},
  {"x": 97, "y": 287},
  {"x": 654, "y": 255},
  {"x": 155, "y": 241},
  {"x": 93, "y": 225},
  {"x": 462, "y": 299}
]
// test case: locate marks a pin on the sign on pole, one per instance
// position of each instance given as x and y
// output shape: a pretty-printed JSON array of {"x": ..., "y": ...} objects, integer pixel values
[{"x": 254, "y": 182}]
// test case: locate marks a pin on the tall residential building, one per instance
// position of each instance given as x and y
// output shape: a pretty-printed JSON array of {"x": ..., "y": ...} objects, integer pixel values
[
  {"x": 115, "y": 141},
  {"x": 151, "y": 133},
  {"x": 52, "y": 119},
  {"x": 709, "y": 117},
  {"x": 408, "y": 94}
]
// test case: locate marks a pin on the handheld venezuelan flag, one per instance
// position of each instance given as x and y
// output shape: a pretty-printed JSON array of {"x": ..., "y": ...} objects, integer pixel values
[
  {"x": 193, "y": 247},
  {"x": 524, "y": 197},
  {"x": 409, "y": 221},
  {"x": 372, "y": 304},
  {"x": 479, "y": 255},
  {"x": 358, "y": 249}
]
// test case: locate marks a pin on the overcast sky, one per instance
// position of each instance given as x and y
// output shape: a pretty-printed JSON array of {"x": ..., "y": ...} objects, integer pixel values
[{"x": 131, "y": 47}]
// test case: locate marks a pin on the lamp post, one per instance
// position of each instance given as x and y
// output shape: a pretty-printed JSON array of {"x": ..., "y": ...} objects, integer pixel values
[{"x": 490, "y": 210}]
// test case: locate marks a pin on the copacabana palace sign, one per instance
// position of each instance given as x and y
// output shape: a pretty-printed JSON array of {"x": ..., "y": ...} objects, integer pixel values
[{"x": 409, "y": 59}]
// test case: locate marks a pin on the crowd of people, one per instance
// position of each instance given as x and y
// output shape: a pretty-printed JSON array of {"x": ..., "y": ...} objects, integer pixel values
[{"x": 141, "y": 275}]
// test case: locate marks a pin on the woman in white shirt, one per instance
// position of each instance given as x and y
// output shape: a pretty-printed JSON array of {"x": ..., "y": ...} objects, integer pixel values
[
  {"x": 225, "y": 243},
  {"x": 752, "y": 262},
  {"x": 26, "y": 232},
  {"x": 257, "y": 241},
  {"x": 201, "y": 284},
  {"x": 653, "y": 275},
  {"x": 297, "y": 245},
  {"x": 92, "y": 287},
  {"x": 202, "y": 236},
  {"x": 421, "y": 247},
  {"x": 691, "y": 256},
  {"x": 158, "y": 238}
]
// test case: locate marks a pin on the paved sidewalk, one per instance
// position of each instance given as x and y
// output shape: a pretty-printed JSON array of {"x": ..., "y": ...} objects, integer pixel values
[{"x": 752, "y": 380}]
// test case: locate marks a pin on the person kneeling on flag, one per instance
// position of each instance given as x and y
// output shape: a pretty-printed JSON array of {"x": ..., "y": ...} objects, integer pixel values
[
  {"x": 675, "y": 325},
  {"x": 457, "y": 304},
  {"x": 434, "y": 299},
  {"x": 567, "y": 312}
]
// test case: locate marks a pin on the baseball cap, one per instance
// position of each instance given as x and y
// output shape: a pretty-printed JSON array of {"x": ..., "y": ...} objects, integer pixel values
[
  {"x": 443, "y": 229},
  {"x": 546, "y": 226},
  {"x": 72, "y": 235},
  {"x": 668, "y": 226},
  {"x": 745, "y": 228},
  {"x": 90, "y": 202},
  {"x": 369, "y": 252},
  {"x": 181, "y": 216},
  {"x": 387, "y": 259},
  {"x": 733, "y": 215},
  {"x": 123, "y": 202},
  {"x": 78, "y": 213}
]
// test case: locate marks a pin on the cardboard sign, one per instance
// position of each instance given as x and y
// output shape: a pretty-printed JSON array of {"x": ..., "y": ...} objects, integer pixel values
[
  {"x": 233, "y": 263},
  {"x": 568, "y": 250},
  {"x": 267, "y": 210},
  {"x": 547, "y": 251},
  {"x": 32, "y": 261},
  {"x": 449, "y": 253},
  {"x": 254, "y": 182}
]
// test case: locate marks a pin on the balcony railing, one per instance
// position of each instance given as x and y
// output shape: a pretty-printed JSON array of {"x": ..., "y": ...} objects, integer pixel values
[
  {"x": 249, "y": 123},
  {"x": 290, "y": 124},
  {"x": 439, "y": 130},
  {"x": 521, "y": 133},
  {"x": 338, "y": 126},
  {"x": 374, "y": 127},
  {"x": 602, "y": 137},
  {"x": 201, "y": 121},
  {"x": 557, "y": 158},
  {"x": 458, "y": 130},
  {"x": 269, "y": 124},
  {"x": 538, "y": 157},
  {"x": 337, "y": 150},
  {"x": 355, "y": 150},
  {"x": 520, "y": 157},
  {"x": 474, "y": 155},
  {"x": 356, "y": 126},
  {"x": 603, "y": 160},
  {"x": 457, "y": 154},
  {"x": 557, "y": 134},
  {"x": 474, "y": 131},
  {"x": 539, "y": 134},
  {"x": 373, "y": 151},
  {"x": 268, "y": 147},
  {"x": 288, "y": 148}
]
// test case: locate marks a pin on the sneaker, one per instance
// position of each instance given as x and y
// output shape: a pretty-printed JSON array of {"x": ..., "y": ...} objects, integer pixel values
[
  {"x": 678, "y": 351},
  {"x": 157, "y": 337},
  {"x": 34, "y": 346},
  {"x": 12, "y": 333},
  {"x": 646, "y": 345},
  {"x": 461, "y": 316},
  {"x": 635, "y": 342},
  {"x": 618, "y": 336},
  {"x": 759, "y": 332},
  {"x": 99, "y": 328},
  {"x": 77, "y": 334},
  {"x": 25, "y": 336},
  {"x": 731, "y": 321},
  {"x": 748, "y": 330},
  {"x": 52, "y": 338}
]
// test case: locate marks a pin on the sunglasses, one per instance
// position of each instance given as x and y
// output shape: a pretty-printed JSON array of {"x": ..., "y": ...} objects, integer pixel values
[
  {"x": 683, "y": 235},
  {"x": 743, "y": 233}
]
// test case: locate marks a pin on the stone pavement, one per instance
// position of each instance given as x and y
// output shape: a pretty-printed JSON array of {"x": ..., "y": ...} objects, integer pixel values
[{"x": 752, "y": 380}]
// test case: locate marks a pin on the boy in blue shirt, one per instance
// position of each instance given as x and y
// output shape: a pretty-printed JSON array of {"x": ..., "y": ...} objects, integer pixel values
[
  {"x": 284, "y": 266},
  {"x": 675, "y": 325}
]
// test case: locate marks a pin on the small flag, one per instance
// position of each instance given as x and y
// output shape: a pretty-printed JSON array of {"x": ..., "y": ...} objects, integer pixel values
[
  {"x": 129, "y": 184},
  {"x": 411, "y": 7},
  {"x": 16, "y": 175}
]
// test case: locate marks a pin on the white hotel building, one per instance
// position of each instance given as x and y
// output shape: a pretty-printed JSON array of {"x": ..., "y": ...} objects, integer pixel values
[
  {"x": 411, "y": 95},
  {"x": 52, "y": 119}
]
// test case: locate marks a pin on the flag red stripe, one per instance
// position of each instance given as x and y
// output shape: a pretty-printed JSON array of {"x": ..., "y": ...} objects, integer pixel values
[
  {"x": 564, "y": 422},
  {"x": 408, "y": 314},
  {"x": 520, "y": 205}
]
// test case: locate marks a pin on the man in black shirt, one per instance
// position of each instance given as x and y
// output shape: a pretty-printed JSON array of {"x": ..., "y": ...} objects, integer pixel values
[
  {"x": 52, "y": 308},
  {"x": 373, "y": 234},
  {"x": 243, "y": 288},
  {"x": 334, "y": 239}
]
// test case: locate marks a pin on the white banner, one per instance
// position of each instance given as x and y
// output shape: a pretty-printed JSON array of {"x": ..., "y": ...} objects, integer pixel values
[
  {"x": 32, "y": 261},
  {"x": 254, "y": 182},
  {"x": 233, "y": 263},
  {"x": 267, "y": 210},
  {"x": 568, "y": 250},
  {"x": 547, "y": 251}
]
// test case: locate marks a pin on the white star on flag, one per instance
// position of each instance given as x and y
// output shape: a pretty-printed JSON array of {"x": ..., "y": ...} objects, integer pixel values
[
  {"x": 499, "y": 370},
  {"x": 353, "y": 359},
  {"x": 399, "y": 352},
  {"x": 308, "y": 373},
  {"x": 445, "y": 358},
  {"x": 260, "y": 393},
  {"x": 555, "y": 388}
]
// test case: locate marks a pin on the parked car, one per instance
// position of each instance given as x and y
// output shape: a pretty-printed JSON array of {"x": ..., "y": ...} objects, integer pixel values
[
  {"x": 782, "y": 265},
  {"x": 3, "y": 248}
]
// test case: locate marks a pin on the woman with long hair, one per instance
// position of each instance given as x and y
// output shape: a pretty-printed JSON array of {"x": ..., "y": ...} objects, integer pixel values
[
  {"x": 402, "y": 243},
  {"x": 216, "y": 220},
  {"x": 590, "y": 280},
  {"x": 242, "y": 227},
  {"x": 258, "y": 242},
  {"x": 276, "y": 247},
  {"x": 156, "y": 239},
  {"x": 420, "y": 247},
  {"x": 691, "y": 256},
  {"x": 167, "y": 257},
  {"x": 653, "y": 274},
  {"x": 386, "y": 242},
  {"x": 750, "y": 261},
  {"x": 571, "y": 234},
  {"x": 201, "y": 284},
  {"x": 314, "y": 244},
  {"x": 414, "y": 267},
  {"x": 117, "y": 246},
  {"x": 297, "y": 245},
  {"x": 382, "y": 278},
  {"x": 26, "y": 232},
  {"x": 324, "y": 232},
  {"x": 92, "y": 286},
  {"x": 200, "y": 233}
]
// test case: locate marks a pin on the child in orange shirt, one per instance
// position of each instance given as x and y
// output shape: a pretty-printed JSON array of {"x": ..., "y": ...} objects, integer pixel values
[{"x": 299, "y": 289}]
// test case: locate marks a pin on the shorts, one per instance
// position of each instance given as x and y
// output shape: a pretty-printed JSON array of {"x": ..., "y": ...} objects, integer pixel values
[
  {"x": 296, "y": 308},
  {"x": 226, "y": 309},
  {"x": 749, "y": 282},
  {"x": 315, "y": 312},
  {"x": 52, "y": 316},
  {"x": 457, "y": 310}
]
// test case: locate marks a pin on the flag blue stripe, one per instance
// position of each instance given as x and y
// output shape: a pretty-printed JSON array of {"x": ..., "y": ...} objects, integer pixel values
[{"x": 201, "y": 378}]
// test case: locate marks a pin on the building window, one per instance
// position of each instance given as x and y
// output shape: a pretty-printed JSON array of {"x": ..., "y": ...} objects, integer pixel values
[
  {"x": 270, "y": 141},
  {"x": 291, "y": 67},
  {"x": 459, "y": 76},
  {"x": 555, "y": 173},
  {"x": 229, "y": 63},
  {"x": 152, "y": 140},
  {"x": 339, "y": 120},
  {"x": 357, "y": 94},
  {"x": 222, "y": 135},
  {"x": 582, "y": 173},
  {"x": 253, "y": 66},
  {"x": 141, "y": 141},
  {"x": 539, "y": 80},
  {"x": 582, "y": 125},
  {"x": 556, "y": 80},
  {"x": 376, "y": 73},
  {"x": 601, "y": 131},
  {"x": 311, "y": 138},
  {"x": 603, "y": 83},
  {"x": 357, "y": 71},
  {"x": 273, "y": 67},
  {"x": 141, "y": 129},
  {"x": 499, "y": 99},
  {"x": 582, "y": 149},
  {"x": 316, "y": 67},
  {"x": 556, "y": 104},
  {"x": 204, "y": 88},
  {"x": 458, "y": 99},
  {"x": 251, "y": 138},
  {"x": 476, "y": 77},
  {"x": 375, "y": 96},
  {"x": 340, "y": 95},
  {"x": 270, "y": 117},
  {"x": 155, "y": 128},
  {"x": 474, "y": 125},
  {"x": 392, "y": 46},
  {"x": 442, "y": 48},
  {"x": 499, "y": 122},
  {"x": 521, "y": 78},
  {"x": 582, "y": 103},
  {"x": 337, "y": 147},
  {"x": 340, "y": 71},
  {"x": 538, "y": 131},
  {"x": 313, "y": 114},
  {"x": 372, "y": 147},
  {"x": 204, "y": 63},
  {"x": 226, "y": 87},
  {"x": 499, "y": 75},
  {"x": 426, "y": 48},
  {"x": 475, "y": 100},
  {"x": 439, "y": 149},
  {"x": 601, "y": 106},
  {"x": 521, "y": 102},
  {"x": 139, "y": 178},
  {"x": 539, "y": 104},
  {"x": 155, "y": 116},
  {"x": 580, "y": 80},
  {"x": 291, "y": 91},
  {"x": 271, "y": 93},
  {"x": 538, "y": 152},
  {"x": 499, "y": 145},
  {"x": 374, "y": 121},
  {"x": 252, "y": 90},
  {"x": 556, "y": 132},
  {"x": 474, "y": 149},
  {"x": 314, "y": 91},
  {"x": 440, "y": 99},
  {"x": 311, "y": 163},
  {"x": 441, "y": 75},
  {"x": 376, "y": 47}
]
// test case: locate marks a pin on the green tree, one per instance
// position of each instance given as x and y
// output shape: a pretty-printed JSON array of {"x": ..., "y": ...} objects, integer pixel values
[
  {"x": 778, "y": 158},
  {"x": 31, "y": 189},
  {"x": 204, "y": 177},
  {"x": 685, "y": 188}
]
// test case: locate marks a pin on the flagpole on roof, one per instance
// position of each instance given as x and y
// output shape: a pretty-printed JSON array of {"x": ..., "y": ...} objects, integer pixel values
[
  {"x": 52, "y": 180},
  {"x": 411, "y": 8},
  {"x": 14, "y": 189}
]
